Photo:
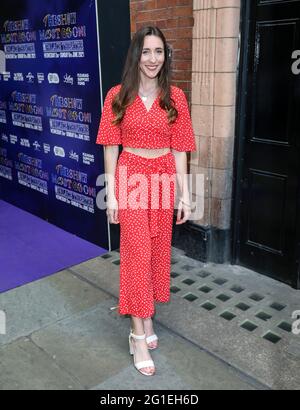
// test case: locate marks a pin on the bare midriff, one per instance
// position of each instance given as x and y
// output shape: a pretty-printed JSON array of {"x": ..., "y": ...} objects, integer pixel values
[{"x": 148, "y": 153}]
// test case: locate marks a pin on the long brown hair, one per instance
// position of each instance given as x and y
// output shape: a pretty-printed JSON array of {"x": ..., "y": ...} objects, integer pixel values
[{"x": 131, "y": 77}]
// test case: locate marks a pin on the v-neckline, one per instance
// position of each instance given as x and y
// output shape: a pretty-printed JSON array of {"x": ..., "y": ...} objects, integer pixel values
[{"x": 142, "y": 102}]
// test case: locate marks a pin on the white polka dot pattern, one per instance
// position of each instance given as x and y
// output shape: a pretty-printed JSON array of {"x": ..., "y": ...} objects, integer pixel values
[
  {"x": 145, "y": 243},
  {"x": 146, "y": 234},
  {"x": 148, "y": 129}
]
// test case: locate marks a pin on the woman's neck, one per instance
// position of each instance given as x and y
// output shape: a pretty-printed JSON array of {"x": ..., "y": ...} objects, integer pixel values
[{"x": 147, "y": 84}]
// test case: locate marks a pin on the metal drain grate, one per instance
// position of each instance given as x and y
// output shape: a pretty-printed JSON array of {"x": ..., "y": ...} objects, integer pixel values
[
  {"x": 175, "y": 289},
  {"x": 242, "y": 306},
  {"x": 187, "y": 267},
  {"x": 237, "y": 289},
  {"x": 227, "y": 315},
  {"x": 228, "y": 299},
  {"x": 223, "y": 298},
  {"x": 263, "y": 316},
  {"x": 190, "y": 297},
  {"x": 208, "y": 306},
  {"x": 277, "y": 306},
  {"x": 256, "y": 297},
  {"x": 205, "y": 289},
  {"x": 287, "y": 327},
  {"x": 249, "y": 326},
  {"x": 220, "y": 281},
  {"x": 203, "y": 274},
  {"x": 271, "y": 337},
  {"x": 188, "y": 282}
]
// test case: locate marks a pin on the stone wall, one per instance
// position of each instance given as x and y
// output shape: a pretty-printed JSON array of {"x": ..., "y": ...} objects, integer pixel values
[{"x": 215, "y": 64}]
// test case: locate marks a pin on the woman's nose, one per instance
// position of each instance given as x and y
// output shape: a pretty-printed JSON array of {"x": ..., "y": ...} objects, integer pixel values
[{"x": 153, "y": 56}]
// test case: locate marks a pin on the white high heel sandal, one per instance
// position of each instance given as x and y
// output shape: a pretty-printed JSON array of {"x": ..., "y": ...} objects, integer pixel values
[
  {"x": 151, "y": 339},
  {"x": 139, "y": 365}
]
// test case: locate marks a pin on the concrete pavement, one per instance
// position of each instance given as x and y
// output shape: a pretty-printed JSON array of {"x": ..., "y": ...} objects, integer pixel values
[{"x": 62, "y": 335}]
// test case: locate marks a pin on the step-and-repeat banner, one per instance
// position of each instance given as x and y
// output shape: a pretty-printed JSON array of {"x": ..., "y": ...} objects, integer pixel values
[{"x": 50, "y": 105}]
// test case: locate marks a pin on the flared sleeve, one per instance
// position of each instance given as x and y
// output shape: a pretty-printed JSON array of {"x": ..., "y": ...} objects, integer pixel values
[
  {"x": 108, "y": 133},
  {"x": 182, "y": 133}
]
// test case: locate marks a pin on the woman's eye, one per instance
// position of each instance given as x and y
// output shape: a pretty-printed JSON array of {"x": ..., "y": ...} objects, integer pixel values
[{"x": 147, "y": 51}]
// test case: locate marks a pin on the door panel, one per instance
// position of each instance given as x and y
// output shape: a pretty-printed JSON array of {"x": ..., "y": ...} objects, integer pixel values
[{"x": 268, "y": 157}]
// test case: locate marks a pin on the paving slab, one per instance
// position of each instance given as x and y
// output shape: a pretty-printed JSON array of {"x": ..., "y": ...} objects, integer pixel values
[
  {"x": 24, "y": 366},
  {"x": 46, "y": 301}
]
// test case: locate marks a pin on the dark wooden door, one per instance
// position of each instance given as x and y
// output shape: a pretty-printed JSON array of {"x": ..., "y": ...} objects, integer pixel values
[{"x": 266, "y": 211}]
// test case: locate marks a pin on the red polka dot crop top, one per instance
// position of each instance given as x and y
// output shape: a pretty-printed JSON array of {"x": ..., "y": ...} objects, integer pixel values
[{"x": 148, "y": 129}]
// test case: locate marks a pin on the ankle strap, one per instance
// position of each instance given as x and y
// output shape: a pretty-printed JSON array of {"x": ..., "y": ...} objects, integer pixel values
[{"x": 141, "y": 337}]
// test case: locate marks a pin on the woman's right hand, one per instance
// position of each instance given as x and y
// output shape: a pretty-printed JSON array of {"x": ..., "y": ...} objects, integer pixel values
[{"x": 112, "y": 210}]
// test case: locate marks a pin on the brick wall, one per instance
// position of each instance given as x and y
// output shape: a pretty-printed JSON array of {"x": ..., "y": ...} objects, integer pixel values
[{"x": 175, "y": 19}]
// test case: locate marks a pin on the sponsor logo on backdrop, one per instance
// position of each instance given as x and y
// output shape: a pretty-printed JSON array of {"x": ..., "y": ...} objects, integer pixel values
[
  {"x": 4, "y": 138},
  {"x": 47, "y": 148},
  {"x": 59, "y": 152},
  {"x": 13, "y": 139},
  {"x": 25, "y": 142},
  {"x": 6, "y": 76},
  {"x": 73, "y": 155},
  {"x": 68, "y": 79},
  {"x": 40, "y": 77},
  {"x": 82, "y": 79},
  {"x": 88, "y": 159},
  {"x": 18, "y": 77},
  {"x": 53, "y": 78},
  {"x": 30, "y": 78},
  {"x": 37, "y": 146}
]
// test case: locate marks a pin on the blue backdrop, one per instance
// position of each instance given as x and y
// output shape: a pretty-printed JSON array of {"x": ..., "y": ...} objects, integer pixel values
[{"x": 50, "y": 105}]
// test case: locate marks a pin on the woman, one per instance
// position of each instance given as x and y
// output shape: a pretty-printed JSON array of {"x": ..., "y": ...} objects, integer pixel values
[{"x": 150, "y": 118}]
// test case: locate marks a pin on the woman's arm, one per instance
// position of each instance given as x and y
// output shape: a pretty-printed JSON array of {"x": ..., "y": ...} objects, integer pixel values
[
  {"x": 182, "y": 178},
  {"x": 111, "y": 155}
]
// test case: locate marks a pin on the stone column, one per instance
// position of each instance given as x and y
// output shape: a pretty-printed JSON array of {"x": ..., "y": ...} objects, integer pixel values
[{"x": 214, "y": 76}]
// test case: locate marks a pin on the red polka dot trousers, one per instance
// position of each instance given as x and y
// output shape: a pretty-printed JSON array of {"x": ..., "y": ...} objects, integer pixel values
[{"x": 145, "y": 190}]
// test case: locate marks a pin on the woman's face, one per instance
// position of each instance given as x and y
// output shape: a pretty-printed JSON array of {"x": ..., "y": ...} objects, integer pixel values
[{"x": 153, "y": 56}]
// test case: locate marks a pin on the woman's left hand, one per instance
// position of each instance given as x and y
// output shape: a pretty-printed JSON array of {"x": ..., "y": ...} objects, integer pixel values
[{"x": 183, "y": 213}]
